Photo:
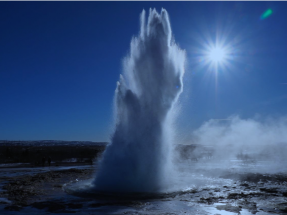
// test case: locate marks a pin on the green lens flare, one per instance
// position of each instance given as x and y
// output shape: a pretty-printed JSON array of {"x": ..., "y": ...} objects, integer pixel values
[{"x": 266, "y": 14}]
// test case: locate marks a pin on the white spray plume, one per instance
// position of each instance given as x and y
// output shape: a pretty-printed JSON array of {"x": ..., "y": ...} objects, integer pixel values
[{"x": 138, "y": 157}]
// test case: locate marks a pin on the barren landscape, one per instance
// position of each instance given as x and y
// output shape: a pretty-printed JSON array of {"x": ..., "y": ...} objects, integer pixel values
[{"x": 234, "y": 190}]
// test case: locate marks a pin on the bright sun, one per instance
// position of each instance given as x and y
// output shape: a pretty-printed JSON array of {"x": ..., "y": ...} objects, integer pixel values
[{"x": 217, "y": 54}]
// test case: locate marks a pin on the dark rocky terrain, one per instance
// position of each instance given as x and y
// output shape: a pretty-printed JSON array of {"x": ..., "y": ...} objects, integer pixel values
[
  {"x": 37, "y": 190},
  {"x": 32, "y": 152},
  {"x": 239, "y": 190},
  {"x": 251, "y": 192}
]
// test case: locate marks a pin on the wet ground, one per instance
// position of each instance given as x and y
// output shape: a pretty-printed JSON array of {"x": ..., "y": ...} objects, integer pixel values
[{"x": 236, "y": 190}]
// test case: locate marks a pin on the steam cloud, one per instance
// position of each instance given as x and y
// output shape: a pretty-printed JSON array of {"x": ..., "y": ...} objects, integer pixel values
[
  {"x": 138, "y": 156},
  {"x": 261, "y": 139}
]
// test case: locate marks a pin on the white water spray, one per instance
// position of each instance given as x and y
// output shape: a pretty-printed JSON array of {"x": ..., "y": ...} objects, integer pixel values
[{"x": 138, "y": 157}]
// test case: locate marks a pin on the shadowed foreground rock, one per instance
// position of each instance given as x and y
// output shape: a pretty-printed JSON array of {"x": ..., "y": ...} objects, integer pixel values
[
  {"x": 252, "y": 192},
  {"x": 28, "y": 190}
]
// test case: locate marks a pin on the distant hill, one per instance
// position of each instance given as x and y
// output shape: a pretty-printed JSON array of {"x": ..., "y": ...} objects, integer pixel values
[
  {"x": 34, "y": 151},
  {"x": 47, "y": 143}
]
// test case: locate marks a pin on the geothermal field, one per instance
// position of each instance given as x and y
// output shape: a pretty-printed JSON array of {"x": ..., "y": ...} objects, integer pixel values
[{"x": 233, "y": 167}]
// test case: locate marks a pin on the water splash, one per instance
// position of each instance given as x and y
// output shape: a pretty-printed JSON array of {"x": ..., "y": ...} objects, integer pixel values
[{"x": 138, "y": 156}]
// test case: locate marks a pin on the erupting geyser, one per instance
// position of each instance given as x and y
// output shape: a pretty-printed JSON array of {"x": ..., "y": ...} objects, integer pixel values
[{"x": 138, "y": 156}]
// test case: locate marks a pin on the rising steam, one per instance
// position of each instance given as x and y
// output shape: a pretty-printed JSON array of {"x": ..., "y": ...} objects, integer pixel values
[
  {"x": 138, "y": 156},
  {"x": 259, "y": 139}
]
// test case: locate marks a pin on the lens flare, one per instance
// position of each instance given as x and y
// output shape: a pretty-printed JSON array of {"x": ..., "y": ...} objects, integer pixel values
[{"x": 266, "y": 14}]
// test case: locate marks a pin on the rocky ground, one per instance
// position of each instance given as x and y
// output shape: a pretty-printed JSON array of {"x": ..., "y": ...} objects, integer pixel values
[
  {"x": 252, "y": 192},
  {"x": 36, "y": 190}
]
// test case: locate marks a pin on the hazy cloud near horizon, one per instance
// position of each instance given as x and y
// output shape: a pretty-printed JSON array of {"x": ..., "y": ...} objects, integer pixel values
[{"x": 256, "y": 135}]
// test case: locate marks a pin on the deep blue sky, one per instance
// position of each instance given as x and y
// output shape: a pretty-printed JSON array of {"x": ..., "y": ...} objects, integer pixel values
[{"x": 60, "y": 62}]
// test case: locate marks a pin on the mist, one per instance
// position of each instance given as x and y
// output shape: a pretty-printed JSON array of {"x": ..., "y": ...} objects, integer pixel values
[{"x": 253, "y": 140}]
